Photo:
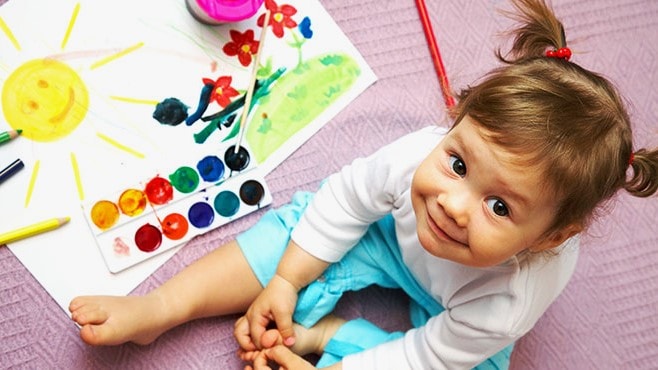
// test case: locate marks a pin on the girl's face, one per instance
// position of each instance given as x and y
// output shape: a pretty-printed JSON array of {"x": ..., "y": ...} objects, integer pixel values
[{"x": 474, "y": 206}]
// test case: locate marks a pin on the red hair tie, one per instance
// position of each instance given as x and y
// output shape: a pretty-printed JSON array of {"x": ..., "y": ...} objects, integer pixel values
[
  {"x": 561, "y": 53},
  {"x": 631, "y": 159}
]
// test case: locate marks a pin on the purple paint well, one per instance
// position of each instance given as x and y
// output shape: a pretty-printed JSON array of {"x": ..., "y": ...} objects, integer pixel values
[{"x": 201, "y": 215}]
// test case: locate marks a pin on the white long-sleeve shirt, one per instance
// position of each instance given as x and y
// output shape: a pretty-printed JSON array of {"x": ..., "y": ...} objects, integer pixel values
[{"x": 486, "y": 308}]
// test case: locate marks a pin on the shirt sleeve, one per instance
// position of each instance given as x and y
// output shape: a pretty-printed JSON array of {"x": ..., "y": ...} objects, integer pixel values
[
  {"x": 358, "y": 195},
  {"x": 487, "y": 315},
  {"x": 443, "y": 343}
]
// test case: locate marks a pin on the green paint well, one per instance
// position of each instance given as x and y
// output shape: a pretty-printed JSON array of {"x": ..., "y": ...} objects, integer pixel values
[{"x": 184, "y": 179}]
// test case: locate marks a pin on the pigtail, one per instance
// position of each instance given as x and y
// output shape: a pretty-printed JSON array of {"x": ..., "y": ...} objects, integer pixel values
[
  {"x": 539, "y": 30},
  {"x": 644, "y": 179}
]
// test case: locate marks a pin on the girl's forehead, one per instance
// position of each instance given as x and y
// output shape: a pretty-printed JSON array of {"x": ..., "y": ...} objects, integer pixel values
[{"x": 471, "y": 133}]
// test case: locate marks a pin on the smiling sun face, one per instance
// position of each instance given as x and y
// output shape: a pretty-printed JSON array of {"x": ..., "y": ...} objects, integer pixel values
[
  {"x": 45, "y": 98},
  {"x": 48, "y": 101}
]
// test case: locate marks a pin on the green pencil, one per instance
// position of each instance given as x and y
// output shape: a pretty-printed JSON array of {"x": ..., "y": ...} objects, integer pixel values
[{"x": 8, "y": 135}]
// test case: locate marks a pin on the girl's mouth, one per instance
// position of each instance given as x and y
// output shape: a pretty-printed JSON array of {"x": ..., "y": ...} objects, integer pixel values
[{"x": 438, "y": 231}]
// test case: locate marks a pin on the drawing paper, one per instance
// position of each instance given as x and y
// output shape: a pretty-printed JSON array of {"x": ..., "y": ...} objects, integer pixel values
[{"x": 84, "y": 77}]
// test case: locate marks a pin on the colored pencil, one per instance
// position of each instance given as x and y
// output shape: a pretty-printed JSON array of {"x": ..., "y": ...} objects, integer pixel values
[
  {"x": 10, "y": 170},
  {"x": 9, "y": 135},
  {"x": 434, "y": 52},
  {"x": 38, "y": 228},
  {"x": 252, "y": 81}
]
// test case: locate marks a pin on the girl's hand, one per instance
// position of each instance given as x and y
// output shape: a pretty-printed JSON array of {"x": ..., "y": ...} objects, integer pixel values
[
  {"x": 275, "y": 304},
  {"x": 281, "y": 355}
]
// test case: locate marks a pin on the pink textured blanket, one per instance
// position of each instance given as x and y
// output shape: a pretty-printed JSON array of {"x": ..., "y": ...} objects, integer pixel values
[{"x": 606, "y": 319}]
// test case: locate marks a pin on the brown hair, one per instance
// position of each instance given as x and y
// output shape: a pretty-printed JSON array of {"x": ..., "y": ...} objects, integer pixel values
[{"x": 568, "y": 121}]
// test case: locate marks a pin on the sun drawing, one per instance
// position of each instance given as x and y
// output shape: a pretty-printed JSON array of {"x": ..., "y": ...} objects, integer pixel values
[{"x": 48, "y": 100}]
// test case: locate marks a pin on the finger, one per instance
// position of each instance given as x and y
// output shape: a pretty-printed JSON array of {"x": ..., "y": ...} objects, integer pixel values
[
  {"x": 242, "y": 336},
  {"x": 247, "y": 356},
  {"x": 260, "y": 362},
  {"x": 283, "y": 356},
  {"x": 271, "y": 338},
  {"x": 257, "y": 327},
  {"x": 284, "y": 326}
]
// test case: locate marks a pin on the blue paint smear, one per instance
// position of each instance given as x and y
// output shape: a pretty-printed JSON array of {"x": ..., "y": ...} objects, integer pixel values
[
  {"x": 305, "y": 28},
  {"x": 211, "y": 168},
  {"x": 204, "y": 100},
  {"x": 201, "y": 215},
  {"x": 227, "y": 203}
]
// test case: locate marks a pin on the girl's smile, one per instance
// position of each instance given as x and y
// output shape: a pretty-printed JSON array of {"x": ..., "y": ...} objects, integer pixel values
[{"x": 440, "y": 232}]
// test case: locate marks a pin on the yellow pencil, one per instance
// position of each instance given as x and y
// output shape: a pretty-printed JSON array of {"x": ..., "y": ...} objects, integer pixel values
[{"x": 38, "y": 228}]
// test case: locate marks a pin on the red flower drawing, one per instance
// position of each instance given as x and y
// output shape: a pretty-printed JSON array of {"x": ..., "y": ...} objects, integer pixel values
[
  {"x": 243, "y": 45},
  {"x": 222, "y": 92},
  {"x": 280, "y": 17}
]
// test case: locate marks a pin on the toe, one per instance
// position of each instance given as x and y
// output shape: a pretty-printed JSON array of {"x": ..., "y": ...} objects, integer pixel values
[
  {"x": 99, "y": 335},
  {"x": 89, "y": 315},
  {"x": 88, "y": 333},
  {"x": 76, "y": 304}
]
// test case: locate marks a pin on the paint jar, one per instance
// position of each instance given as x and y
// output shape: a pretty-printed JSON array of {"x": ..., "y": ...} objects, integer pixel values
[{"x": 214, "y": 12}]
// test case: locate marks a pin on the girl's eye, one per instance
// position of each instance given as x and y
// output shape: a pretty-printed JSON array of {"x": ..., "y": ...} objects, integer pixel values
[
  {"x": 457, "y": 165},
  {"x": 498, "y": 207}
]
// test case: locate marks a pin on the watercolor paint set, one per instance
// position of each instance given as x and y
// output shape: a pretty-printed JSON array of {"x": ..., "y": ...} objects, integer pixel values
[{"x": 173, "y": 206}]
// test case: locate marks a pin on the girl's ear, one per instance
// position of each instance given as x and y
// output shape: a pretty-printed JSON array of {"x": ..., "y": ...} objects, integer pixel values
[{"x": 556, "y": 238}]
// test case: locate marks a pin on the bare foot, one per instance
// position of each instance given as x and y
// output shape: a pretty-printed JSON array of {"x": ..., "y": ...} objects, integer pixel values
[{"x": 107, "y": 320}]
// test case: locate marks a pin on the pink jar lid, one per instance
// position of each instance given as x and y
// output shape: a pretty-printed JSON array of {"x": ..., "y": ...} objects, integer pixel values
[{"x": 229, "y": 10}]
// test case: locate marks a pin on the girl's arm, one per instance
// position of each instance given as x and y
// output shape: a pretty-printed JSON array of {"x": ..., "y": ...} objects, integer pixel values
[{"x": 276, "y": 303}]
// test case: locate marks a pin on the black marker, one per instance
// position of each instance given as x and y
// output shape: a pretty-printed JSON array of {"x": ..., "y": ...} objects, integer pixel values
[{"x": 10, "y": 170}]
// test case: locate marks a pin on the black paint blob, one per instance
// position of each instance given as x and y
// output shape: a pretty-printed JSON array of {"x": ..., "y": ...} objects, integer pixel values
[
  {"x": 170, "y": 111},
  {"x": 236, "y": 161},
  {"x": 251, "y": 192}
]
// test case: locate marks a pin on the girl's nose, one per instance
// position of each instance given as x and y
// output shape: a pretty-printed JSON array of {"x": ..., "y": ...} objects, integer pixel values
[{"x": 455, "y": 204}]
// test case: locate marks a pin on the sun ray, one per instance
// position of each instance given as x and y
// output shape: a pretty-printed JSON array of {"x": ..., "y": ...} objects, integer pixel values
[
  {"x": 5, "y": 29},
  {"x": 76, "y": 174},
  {"x": 117, "y": 55},
  {"x": 118, "y": 145},
  {"x": 126, "y": 99},
  {"x": 74, "y": 16},
  {"x": 33, "y": 179}
]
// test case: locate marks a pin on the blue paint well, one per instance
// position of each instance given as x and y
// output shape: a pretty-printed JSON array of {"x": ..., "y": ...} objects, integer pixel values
[{"x": 211, "y": 168}]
